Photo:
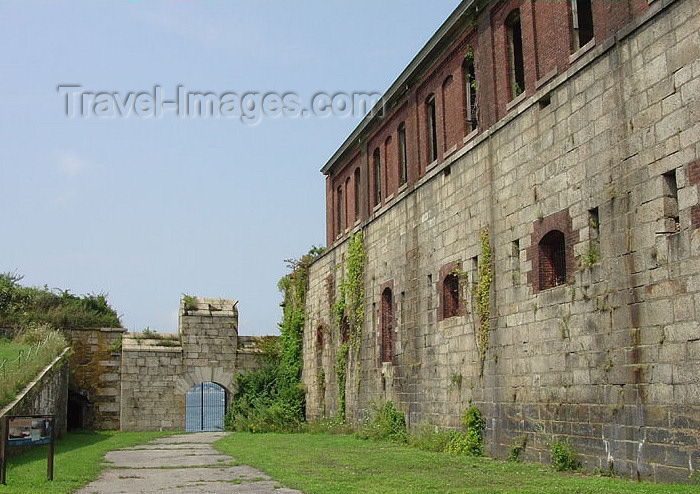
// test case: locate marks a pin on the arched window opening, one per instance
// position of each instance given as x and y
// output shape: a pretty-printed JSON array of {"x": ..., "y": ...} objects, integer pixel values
[
  {"x": 387, "y": 322},
  {"x": 432, "y": 128},
  {"x": 470, "y": 113},
  {"x": 376, "y": 159},
  {"x": 403, "y": 175},
  {"x": 552, "y": 260},
  {"x": 339, "y": 211},
  {"x": 450, "y": 296},
  {"x": 516, "y": 63},
  {"x": 357, "y": 194}
]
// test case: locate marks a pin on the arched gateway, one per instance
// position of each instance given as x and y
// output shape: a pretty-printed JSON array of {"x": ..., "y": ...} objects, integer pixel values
[{"x": 183, "y": 381}]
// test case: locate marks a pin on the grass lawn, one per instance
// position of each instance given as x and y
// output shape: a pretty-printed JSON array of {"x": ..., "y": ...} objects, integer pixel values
[
  {"x": 77, "y": 461},
  {"x": 9, "y": 350},
  {"x": 326, "y": 463}
]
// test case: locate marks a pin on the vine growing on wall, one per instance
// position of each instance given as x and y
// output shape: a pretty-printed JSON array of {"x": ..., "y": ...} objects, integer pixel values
[
  {"x": 272, "y": 397},
  {"x": 349, "y": 310},
  {"x": 482, "y": 296}
]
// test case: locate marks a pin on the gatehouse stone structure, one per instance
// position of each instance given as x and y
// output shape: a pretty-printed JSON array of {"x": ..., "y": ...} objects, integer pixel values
[
  {"x": 138, "y": 381},
  {"x": 562, "y": 140}
]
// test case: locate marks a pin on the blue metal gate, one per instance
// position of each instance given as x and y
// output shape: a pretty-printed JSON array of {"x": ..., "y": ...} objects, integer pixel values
[{"x": 205, "y": 407}]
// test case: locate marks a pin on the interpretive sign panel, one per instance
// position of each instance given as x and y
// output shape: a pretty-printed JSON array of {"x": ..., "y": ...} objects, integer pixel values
[{"x": 27, "y": 430}]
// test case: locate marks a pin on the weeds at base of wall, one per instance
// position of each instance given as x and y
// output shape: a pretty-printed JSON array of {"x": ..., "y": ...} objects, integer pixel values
[
  {"x": 518, "y": 447},
  {"x": 564, "y": 457},
  {"x": 468, "y": 441},
  {"x": 385, "y": 422}
]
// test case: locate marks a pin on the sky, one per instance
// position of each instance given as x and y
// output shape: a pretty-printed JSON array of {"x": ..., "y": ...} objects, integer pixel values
[{"x": 111, "y": 184}]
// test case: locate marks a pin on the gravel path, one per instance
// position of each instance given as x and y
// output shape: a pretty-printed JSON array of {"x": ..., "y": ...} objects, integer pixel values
[{"x": 180, "y": 464}]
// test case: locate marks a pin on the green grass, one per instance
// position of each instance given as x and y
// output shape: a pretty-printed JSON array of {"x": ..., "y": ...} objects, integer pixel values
[
  {"x": 15, "y": 374},
  {"x": 9, "y": 350},
  {"x": 77, "y": 461},
  {"x": 328, "y": 464}
]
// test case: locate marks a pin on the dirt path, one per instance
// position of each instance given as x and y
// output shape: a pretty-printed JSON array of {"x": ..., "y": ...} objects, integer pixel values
[{"x": 180, "y": 464}]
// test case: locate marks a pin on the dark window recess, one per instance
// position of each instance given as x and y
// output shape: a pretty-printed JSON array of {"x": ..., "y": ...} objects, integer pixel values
[
  {"x": 516, "y": 63},
  {"x": 376, "y": 157},
  {"x": 339, "y": 211},
  {"x": 670, "y": 198},
  {"x": 432, "y": 129},
  {"x": 583, "y": 22},
  {"x": 387, "y": 322},
  {"x": 357, "y": 194},
  {"x": 552, "y": 260},
  {"x": 470, "y": 107},
  {"x": 450, "y": 296},
  {"x": 403, "y": 171}
]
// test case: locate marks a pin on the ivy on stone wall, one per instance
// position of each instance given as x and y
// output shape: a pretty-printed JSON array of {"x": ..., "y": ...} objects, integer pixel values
[
  {"x": 349, "y": 309},
  {"x": 272, "y": 398},
  {"x": 482, "y": 297}
]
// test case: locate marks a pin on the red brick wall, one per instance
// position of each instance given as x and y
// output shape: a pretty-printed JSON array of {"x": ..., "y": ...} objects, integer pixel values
[{"x": 547, "y": 44}]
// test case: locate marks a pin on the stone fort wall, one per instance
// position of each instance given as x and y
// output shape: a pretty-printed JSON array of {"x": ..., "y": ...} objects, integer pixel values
[
  {"x": 158, "y": 370},
  {"x": 608, "y": 154}
]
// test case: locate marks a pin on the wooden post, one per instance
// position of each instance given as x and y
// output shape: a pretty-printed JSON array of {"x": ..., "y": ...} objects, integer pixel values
[{"x": 3, "y": 451}]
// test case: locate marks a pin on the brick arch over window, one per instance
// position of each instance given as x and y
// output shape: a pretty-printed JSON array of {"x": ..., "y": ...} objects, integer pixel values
[{"x": 551, "y": 251}]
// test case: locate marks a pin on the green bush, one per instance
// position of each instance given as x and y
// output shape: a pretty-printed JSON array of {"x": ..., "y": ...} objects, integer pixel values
[
  {"x": 564, "y": 456},
  {"x": 386, "y": 423},
  {"x": 465, "y": 443},
  {"x": 20, "y": 305},
  {"x": 263, "y": 404}
]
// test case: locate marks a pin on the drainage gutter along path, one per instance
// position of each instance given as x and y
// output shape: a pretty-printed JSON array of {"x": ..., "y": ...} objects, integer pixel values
[{"x": 182, "y": 464}]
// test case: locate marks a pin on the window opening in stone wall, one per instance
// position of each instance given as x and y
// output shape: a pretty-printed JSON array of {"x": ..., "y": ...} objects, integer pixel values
[
  {"x": 552, "y": 260},
  {"x": 357, "y": 194},
  {"x": 387, "y": 324},
  {"x": 516, "y": 63},
  {"x": 582, "y": 22},
  {"x": 432, "y": 128},
  {"x": 515, "y": 261},
  {"x": 670, "y": 198},
  {"x": 403, "y": 172},
  {"x": 319, "y": 337},
  {"x": 450, "y": 296},
  {"x": 593, "y": 235},
  {"x": 339, "y": 211},
  {"x": 470, "y": 108},
  {"x": 376, "y": 158}
]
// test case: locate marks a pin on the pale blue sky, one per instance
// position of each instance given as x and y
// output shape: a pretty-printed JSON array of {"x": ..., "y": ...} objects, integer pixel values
[{"x": 146, "y": 209}]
